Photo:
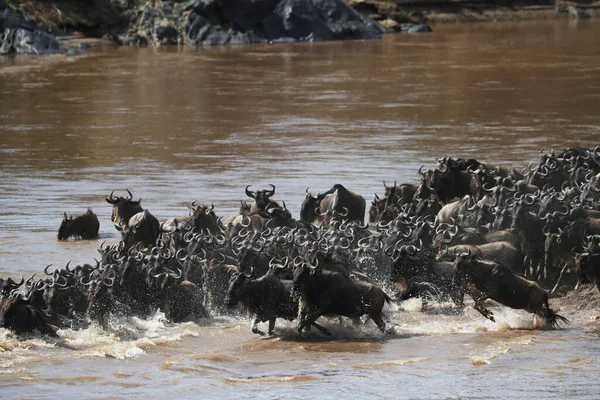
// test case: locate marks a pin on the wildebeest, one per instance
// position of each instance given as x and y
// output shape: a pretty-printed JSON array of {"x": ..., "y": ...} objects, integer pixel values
[
  {"x": 8, "y": 285},
  {"x": 335, "y": 204},
  {"x": 262, "y": 199},
  {"x": 143, "y": 227},
  {"x": 20, "y": 316},
  {"x": 424, "y": 276},
  {"x": 267, "y": 298},
  {"x": 501, "y": 252},
  {"x": 123, "y": 209},
  {"x": 85, "y": 226},
  {"x": 331, "y": 293},
  {"x": 489, "y": 280},
  {"x": 135, "y": 223}
]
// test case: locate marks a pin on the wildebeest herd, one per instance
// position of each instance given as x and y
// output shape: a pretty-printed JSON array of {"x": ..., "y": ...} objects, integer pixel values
[{"x": 468, "y": 227}]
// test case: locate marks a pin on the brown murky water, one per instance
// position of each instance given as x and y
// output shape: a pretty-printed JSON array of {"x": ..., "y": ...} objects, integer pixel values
[{"x": 177, "y": 125}]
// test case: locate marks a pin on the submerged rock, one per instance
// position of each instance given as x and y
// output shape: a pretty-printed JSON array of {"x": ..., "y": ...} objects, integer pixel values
[{"x": 415, "y": 28}]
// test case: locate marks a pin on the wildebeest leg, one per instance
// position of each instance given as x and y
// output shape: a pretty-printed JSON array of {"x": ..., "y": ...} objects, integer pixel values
[
  {"x": 562, "y": 271},
  {"x": 321, "y": 328},
  {"x": 310, "y": 320},
  {"x": 255, "y": 327},
  {"x": 458, "y": 297},
  {"x": 484, "y": 311},
  {"x": 377, "y": 318},
  {"x": 271, "y": 326}
]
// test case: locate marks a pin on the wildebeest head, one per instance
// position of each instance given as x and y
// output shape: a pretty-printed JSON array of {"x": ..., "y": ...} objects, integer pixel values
[
  {"x": 377, "y": 208},
  {"x": 82, "y": 226},
  {"x": 262, "y": 198},
  {"x": 309, "y": 206},
  {"x": 301, "y": 282},
  {"x": 390, "y": 193},
  {"x": 204, "y": 219},
  {"x": 8, "y": 285},
  {"x": 123, "y": 209},
  {"x": 234, "y": 292},
  {"x": 244, "y": 208},
  {"x": 462, "y": 262}
]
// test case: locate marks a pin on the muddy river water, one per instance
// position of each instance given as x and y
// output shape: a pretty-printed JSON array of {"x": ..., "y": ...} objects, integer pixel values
[{"x": 176, "y": 125}]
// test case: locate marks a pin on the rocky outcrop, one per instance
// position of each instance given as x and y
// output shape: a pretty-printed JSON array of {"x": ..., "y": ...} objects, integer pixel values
[
  {"x": 217, "y": 22},
  {"x": 18, "y": 35}
]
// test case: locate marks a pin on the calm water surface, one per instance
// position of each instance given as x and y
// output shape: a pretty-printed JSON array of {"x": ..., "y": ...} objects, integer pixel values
[{"x": 176, "y": 125}]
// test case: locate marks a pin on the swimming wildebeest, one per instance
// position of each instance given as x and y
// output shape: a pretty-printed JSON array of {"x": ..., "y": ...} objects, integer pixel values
[
  {"x": 135, "y": 223},
  {"x": 84, "y": 226},
  {"x": 489, "y": 280},
  {"x": 267, "y": 298},
  {"x": 331, "y": 293}
]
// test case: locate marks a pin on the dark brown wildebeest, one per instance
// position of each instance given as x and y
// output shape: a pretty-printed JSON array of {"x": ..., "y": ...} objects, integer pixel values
[
  {"x": 135, "y": 223},
  {"x": 489, "y": 280},
  {"x": 267, "y": 297},
  {"x": 201, "y": 220},
  {"x": 424, "y": 276},
  {"x": 588, "y": 262},
  {"x": 262, "y": 199},
  {"x": 501, "y": 252},
  {"x": 20, "y": 316},
  {"x": 8, "y": 285},
  {"x": 143, "y": 227},
  {"x": 331, "y": 293},
  {"x": 377, "y": 208},
  {"x": 123, "y": 209},
  {"x": 425, "y": 201},
  {"x": 338, "y": 203},
  {"x": 398, "y": 195},
  {"x": 449, "y": 181},
  {"x": 84, "y": 226}
]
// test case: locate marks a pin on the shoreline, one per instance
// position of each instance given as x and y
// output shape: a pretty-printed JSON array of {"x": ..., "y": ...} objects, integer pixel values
[
  {"x": 67, "y": 27},
  {"x": 65, "y": 16}
]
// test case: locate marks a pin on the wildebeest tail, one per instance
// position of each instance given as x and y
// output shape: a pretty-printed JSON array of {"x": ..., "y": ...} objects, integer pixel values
[
  {"x": 554, "y": 320},
  {"x": 388, "y": 299}
]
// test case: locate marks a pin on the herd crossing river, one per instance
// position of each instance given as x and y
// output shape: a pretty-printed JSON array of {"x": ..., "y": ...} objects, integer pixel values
[{"x": 175, "y": 125}]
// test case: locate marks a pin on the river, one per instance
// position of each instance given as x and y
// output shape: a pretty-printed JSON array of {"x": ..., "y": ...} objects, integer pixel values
[{"x": 175, "y": 125}]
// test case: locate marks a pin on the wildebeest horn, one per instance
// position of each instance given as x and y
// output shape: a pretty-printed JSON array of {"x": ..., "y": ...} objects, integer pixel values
[
  {"x": 249, "y": 193},
  {"x": 111, "y": 199},
  {"x": 531, "y": 199},
  {"x": 13, "y": 283},
  {"x": 212, "y": 206},
  {"x": 46, "y": 269},
  {"x": 420, "y": 168},
  {"x": 272, "y": 191},
  {"x": 247, "y": 224},
  {"x": 384, "y": 185},
  {"x": 411, "y": 249},
  {"x": 130, "y": 195}
]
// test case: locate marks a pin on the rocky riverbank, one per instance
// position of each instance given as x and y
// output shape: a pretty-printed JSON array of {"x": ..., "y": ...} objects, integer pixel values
[{"x": 31, "y": 26}]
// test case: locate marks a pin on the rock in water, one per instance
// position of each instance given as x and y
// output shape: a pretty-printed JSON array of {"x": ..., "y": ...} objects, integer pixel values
[
  {"x": 217, "y": 22},
  {"x": 18, "y": 35}
]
